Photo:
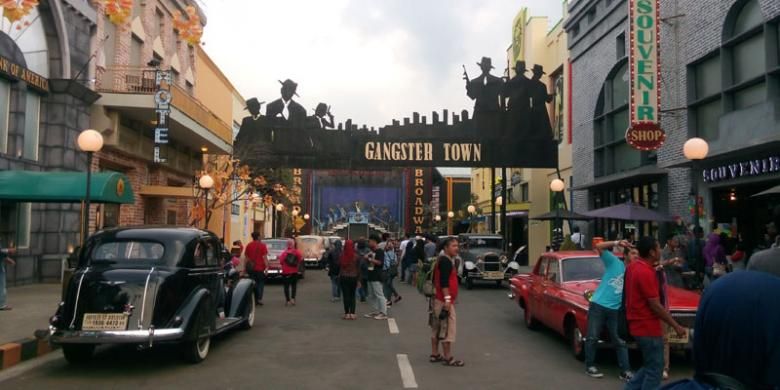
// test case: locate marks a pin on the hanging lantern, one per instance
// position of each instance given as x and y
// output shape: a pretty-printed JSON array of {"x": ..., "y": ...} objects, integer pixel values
[
  {"x": 118, "y": 11},
  {"x": 189, "y": 28},
  {"x": 15, "y": 10}
]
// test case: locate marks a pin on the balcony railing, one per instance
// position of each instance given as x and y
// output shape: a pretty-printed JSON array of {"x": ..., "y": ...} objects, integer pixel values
[{"x": 138, "y": 80}]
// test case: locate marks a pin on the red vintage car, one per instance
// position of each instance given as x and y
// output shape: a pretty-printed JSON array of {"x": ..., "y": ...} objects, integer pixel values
[{"x": 554, "y": 295}]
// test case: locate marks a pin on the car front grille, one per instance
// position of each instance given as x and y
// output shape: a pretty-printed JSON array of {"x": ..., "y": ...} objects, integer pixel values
[{"x": 492, "y": 263}]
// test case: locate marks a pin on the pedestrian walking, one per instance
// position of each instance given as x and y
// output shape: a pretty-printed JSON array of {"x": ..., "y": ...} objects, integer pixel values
[
  {"x": 714, "y": 258},
  {"x": 5, "y": 259},
  {"x": 429, "y": 247},
  {"x": 291, "y": 260},
  {"x": 256, "y": 265},
  {"x": 376, "y": 295},
  {"x": 348, "y": 277},
  {"x": 442, "y": 306},
  {"x": 361, "y": 248},
  {"x": 604, "y": 310},
  {"x": 390, "y": 272},
  {"x": 418, "y": 257},
  {"x": 645, "y": 314},
  {"x": 332, "y": 263}
]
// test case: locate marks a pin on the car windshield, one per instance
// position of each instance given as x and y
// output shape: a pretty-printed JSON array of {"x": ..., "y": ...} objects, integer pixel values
[
  {"x": 580, "y": 269},
  {"x": 484, "y": 242},
  {"x": 127, "y": 251},
  {"x": 276, "y": 245},
  {"x": 310, "y": 240}
]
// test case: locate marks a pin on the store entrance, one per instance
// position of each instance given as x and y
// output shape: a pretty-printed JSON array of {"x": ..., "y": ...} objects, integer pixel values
[{"x": 735, "y": 206}]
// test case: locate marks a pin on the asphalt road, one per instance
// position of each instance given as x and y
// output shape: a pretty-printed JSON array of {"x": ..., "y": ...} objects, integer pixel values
[{"x": 310, "y": 347}]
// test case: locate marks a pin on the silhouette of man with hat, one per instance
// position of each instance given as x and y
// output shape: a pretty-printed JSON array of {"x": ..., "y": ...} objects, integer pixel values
[
  {"x": 540, "y": 118},
  {"x": 318, "y": 120},
  {"x": 485, "y": 91},
  {"x": 519, "y": 115},
  {"x": 285, "y": 110}
]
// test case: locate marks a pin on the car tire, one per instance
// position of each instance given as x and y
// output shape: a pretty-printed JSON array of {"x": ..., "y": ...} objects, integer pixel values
[
  {"x": 196, "y": 350},
  {"x": 78, "y": 353},
  {"x": 469, "y": 283},
  {"x": 530, "y": 322},
  {"x": 249, "y": 315},
  {"x": 576, "y": 344}
]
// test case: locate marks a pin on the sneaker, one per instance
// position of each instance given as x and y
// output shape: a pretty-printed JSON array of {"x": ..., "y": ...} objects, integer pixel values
[
  {"x": 626, "y": 376},
  {"x": 380, "y": 316},
  {"x": 594, "y": 372},
  {"x": 371, "y": 315},
  {"x": 665, "y": 375}
]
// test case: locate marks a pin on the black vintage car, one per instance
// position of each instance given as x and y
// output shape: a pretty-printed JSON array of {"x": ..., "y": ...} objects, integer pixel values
[
  {"x": 150, "y": 285},
  {"x": 484, "y": 259}
]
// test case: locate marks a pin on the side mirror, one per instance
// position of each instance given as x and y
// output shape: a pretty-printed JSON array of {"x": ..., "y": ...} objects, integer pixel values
[{"x": 73, "y": 258}]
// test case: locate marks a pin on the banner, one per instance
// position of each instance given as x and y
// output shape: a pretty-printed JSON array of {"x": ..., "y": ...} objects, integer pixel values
[{"x": 644, "y": 131}]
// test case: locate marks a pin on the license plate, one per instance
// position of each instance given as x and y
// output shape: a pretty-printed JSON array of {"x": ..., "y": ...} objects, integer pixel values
[
  {"x": 104, "y": 321},
  {"x": 494, "y": 275},
  {"x": 671, "y": 336}
]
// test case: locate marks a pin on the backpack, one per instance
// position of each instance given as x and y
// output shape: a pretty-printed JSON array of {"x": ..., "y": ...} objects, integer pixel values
[
  {"x": 291, "y": 260},
  {"x": 425, "y": 283}
]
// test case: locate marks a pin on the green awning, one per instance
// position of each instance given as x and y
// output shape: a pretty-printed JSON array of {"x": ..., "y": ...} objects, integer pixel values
[{"x": 64, "y": 187}]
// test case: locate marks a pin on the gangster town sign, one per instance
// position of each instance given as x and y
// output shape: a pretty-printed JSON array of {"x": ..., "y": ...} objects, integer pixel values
[{"x": 644, "y": 131}]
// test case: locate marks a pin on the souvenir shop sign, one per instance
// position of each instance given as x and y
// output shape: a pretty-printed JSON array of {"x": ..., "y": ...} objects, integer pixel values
[
  {"x": 757, "y": 167},
  {"x": 644, "y": 131}
]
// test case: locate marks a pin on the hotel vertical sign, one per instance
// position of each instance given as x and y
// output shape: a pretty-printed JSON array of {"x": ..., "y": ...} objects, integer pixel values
[
  {"x": 162, "y": 100},
  {"x": 644, "y": 131}
]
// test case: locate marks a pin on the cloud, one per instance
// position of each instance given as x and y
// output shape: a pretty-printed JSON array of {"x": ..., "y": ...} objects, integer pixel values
[{"x": 371, "y": 60}]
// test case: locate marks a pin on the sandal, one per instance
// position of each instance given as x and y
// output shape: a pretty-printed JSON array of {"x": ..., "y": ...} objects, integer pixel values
[
  {"x": 454, "y": 363},
  {"x": 436, "y": 358},
  {"x": 6, "y": 308}
]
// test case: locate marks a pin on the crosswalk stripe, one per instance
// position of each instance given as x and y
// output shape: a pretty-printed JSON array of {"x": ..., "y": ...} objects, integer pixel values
[{"x": 407, "y": 375}]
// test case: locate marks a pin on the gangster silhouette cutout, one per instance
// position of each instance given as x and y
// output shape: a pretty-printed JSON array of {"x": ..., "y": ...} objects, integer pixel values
[
  {"x": 485, "y": 91},
  {"x": 285, "y": 111},
  {"x": 540, "y": 118}
]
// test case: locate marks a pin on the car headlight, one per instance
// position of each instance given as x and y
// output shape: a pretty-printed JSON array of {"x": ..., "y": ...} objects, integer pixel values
[
  {"x": 504, "y": 259},
  {"x": 470, "y": 265}
]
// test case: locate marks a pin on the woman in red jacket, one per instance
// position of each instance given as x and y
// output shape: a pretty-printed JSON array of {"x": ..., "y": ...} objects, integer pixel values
[{"x": 291, "y": 260}]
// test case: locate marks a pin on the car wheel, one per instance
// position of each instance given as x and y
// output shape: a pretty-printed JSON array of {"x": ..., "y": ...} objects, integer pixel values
[
  {"x": 576, "y": 343},
  {"x": 249, "y": 316},
  {"x": 78, "y": 353},
  {"x": 469, "y": 283},
  {"x": 530, "y": 322},
  {"x": 196, "y": 350}
]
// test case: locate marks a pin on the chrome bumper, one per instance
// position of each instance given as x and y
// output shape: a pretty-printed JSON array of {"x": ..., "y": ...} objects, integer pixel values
[{"x": 146, "y": 336}]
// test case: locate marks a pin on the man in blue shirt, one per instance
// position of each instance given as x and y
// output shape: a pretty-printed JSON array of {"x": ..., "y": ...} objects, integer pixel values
[{"x": 604, "y": 308}]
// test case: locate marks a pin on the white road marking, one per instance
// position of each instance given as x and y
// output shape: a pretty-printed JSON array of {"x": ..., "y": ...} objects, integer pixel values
[
  {"x": 393, "y": 326},
  {"x": 407, "y": 375}
]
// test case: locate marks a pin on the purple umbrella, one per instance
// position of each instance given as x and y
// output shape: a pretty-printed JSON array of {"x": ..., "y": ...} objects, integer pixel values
[{"x": 629, "y": 212}]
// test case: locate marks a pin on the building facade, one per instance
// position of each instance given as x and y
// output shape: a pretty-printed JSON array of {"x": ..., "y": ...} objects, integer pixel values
[
  {"x": 719, "y": 81},
  {"x": 45, "y": 95}
]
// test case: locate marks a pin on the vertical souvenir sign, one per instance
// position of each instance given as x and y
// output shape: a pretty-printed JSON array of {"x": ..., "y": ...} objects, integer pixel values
[
  {"x": 644, "y": 131},
  {"x": 162, "y": 100}
]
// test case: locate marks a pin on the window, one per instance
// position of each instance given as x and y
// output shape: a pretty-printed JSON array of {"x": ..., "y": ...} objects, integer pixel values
[
  {"x": 591, "y": 15},
  {"x": 5, "y": 99},
  {"x": 159, "y": 24},
  {"x": 189, "y": 87},
  {"x": 136, "y": 51},
  {"x": 31, "y": 126},
  {"x": 620, "y": 46},
  {"x": 611, "y": 152},
  {"x": 123, "y": 251},
  {"x": 110, "y": 215},
  {"x": 736, "y": 76},
  {"x": 170, "y": 217},
  {"x": 558, "y": 88},
  {"x": 15, "y": 224},
  {"x": 524, "y": 192}
]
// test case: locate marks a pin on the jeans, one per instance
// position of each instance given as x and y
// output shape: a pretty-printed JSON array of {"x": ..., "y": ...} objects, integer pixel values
[
  {"x": 649, "y": 376},
  {"x": 335, "y": 288},
  {"x": 290, "y": 285},
  {"x": 410, "y": 270},
  {"x": 348, "y": 286},
  {"x": 259, "y": 278},
  {"x": 389, "y": 289},
  {"x": 3, "y": 291},
  {"x": 362, "y": 292},
  {"x": 377, "y": 297},
  {"x": 598, "y": 316}
]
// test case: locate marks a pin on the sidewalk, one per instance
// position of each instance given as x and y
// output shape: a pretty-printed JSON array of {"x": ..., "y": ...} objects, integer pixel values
[{"x": 32, "y": 306}]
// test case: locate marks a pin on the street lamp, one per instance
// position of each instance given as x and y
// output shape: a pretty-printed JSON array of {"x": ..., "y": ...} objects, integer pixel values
[
  {"x": 206, "y": 182},
  {"x": 450, "y": 214},
  {"x": 500, "y": 201},
  {"x": 695, "y": 150},
  {"x": 557, "y": 186},
  {"x": 437, "y": 218},
  {"x": 279, "y": 208},
  {"x": 471, "y": 209},
  {"x": 89, "y": 141}
]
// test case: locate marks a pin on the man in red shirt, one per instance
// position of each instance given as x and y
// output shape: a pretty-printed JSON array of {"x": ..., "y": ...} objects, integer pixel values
[
  {"x": 445, "y": 282},
  {"x": 256, "y": 254},
  {"x": 645, "y": 312}
]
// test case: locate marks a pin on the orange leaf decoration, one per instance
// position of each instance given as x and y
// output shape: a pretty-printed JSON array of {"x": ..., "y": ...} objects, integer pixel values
[
  {"x": 190, "y": 29},
  {"x": 118, "y": 11},
  {"x": 15, "y": 10}
]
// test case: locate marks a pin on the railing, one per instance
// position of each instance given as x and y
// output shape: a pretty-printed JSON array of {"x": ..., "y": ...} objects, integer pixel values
[{"x": 141, "y": 80}]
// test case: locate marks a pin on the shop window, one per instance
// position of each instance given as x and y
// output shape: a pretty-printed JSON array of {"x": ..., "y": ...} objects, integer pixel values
[
  {"x": 15, "y": 221},
  {"x": 749, "y": 58},
  {"x": 5, "y": 99},
  {"x": 707, "y": 116},
  {"x": 708, "y": 78},
  {"x": 620, "y": 45},
  {"x": 524, "y": 193},
  {"x": 31, "y": 126},
  {"x": 558, "y": 122},
  {"x": 136, "y": 51},
  {"x": 110, "y": 215}
]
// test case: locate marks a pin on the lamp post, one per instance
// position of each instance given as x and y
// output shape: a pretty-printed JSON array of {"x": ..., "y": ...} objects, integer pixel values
[
  {"x": 557, "y": 186},
  {"x": 89, "y": 141},
  {"x": 450, "y": 216},
  {"x": 472, "y": 210},
  {"x": 279, "y": 208},
  {"x": 695, "y": 150},
  {"x": 206, "y": 182}
]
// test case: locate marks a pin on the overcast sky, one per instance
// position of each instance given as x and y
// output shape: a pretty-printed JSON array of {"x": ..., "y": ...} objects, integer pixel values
[{"x": 371, "y": 60}]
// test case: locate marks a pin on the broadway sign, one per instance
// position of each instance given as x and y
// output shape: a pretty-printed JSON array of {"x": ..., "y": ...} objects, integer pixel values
[{"x": 644, "y": 132}]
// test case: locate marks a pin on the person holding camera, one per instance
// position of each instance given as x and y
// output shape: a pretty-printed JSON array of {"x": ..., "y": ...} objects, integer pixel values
[
  {"x": 443, "y": 327},
  {"x": 375, "y": 260}
]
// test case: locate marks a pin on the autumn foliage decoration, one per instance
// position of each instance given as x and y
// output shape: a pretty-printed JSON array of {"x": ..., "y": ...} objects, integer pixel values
[
  {"x": 118, "y": 11},
  {"x": 189, "y": 28},
  {"x": 15, "y": 10}
]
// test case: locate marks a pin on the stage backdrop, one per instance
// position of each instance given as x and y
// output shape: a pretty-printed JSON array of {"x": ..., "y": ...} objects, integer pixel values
[{"x": 359, "y": 204}]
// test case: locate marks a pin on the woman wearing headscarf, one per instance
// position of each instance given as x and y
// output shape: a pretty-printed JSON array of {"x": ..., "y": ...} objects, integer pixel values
[
  {"x": 348, "y": 277},
  {"x": 291, "y": 260},
  {"x": 334, "y": 257},
  {"x": 713, "y": 254}
]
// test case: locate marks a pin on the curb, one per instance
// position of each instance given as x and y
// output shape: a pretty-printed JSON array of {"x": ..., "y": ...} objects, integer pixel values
[{"x": 18, "y": 351}]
